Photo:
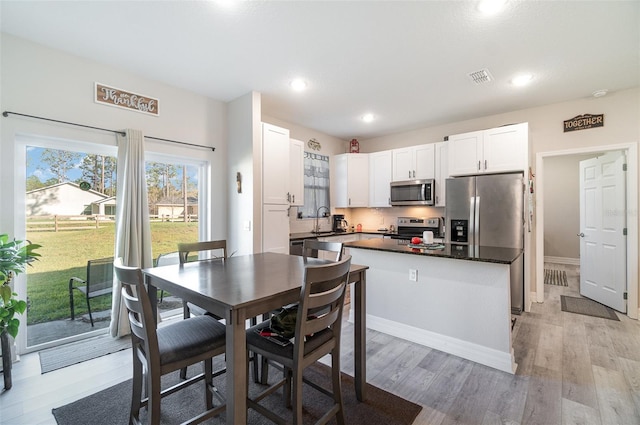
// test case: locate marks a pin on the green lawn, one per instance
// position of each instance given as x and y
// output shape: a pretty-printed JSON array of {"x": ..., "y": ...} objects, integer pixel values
[{"x": 65, "y": 254}]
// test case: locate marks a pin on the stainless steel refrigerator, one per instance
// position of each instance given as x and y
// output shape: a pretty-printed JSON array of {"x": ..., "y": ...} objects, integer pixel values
[{"x": 488, "y": 210}]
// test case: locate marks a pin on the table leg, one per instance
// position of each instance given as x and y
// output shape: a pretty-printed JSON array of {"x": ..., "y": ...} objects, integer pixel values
[
  {"x": 236, "y": 369},
  {"x": 360, "y": 331}
]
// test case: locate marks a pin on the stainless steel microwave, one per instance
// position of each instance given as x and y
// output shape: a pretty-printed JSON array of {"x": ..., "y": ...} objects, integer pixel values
[{"x": 413, "y": 192}]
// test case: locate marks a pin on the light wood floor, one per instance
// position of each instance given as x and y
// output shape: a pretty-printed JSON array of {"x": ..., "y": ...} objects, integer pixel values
[{"x": 573, "y": 369}]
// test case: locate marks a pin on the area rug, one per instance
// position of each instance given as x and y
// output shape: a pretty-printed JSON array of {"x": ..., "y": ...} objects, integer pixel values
[
  {"x": 111, "y": 406},
  {"x": 555, "y": 277},
  {"x": 587, "y": 307},
  {"x": 81, "y": 351}
]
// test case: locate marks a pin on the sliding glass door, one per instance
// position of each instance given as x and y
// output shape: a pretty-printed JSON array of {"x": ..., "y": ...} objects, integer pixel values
[{"x": 69, "y": 200}]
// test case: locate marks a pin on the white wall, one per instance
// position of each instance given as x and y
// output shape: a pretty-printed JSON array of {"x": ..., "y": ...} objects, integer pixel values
[
  {"x": 562, "y": 206},
  {"x": 36, "y": 80}
]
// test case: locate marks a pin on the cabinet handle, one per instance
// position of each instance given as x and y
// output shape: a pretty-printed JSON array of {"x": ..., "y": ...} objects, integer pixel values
[
  {"x": 485, "y": 164},
  {"x": 349, "y": 201},
  {"x": 293, "y": 199},
  {"x": 288, "y": 197},
  {"x": 409, "y": 173},
  {"x": 478, "y": 165}
]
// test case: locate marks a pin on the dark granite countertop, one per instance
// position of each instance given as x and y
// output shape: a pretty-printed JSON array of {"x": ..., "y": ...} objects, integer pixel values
[
  {"x": 311, "y": 235},
  {"x": 487, "y": 254}
]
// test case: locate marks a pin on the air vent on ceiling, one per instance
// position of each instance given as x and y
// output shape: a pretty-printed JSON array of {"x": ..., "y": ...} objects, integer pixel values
[{"x": 481, "y": 77}]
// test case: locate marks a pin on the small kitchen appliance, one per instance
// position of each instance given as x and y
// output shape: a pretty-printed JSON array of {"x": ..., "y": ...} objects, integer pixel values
[{"x": 340, "y": 225}]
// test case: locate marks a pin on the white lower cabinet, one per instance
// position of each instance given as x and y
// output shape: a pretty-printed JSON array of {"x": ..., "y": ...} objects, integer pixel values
[{"x": 275, "y": 228}]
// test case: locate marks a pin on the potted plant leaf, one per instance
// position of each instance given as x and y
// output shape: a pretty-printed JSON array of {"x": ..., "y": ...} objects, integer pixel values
[{"x": 14, "y": 257}]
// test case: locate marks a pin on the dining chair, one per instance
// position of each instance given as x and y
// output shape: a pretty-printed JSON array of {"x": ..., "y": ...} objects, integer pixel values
[
  {"x": 317, "y": 333},
  {"x": 314, "y": 248},
  {"x": 311, "y": 248},
  {"x": 212, "y": 249},
  {"x": 158, "y": 351},
  {"x": 98, "y": 282}
]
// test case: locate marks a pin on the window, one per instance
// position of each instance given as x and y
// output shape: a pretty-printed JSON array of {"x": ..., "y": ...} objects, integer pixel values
[{"x": 316, "y": 184}]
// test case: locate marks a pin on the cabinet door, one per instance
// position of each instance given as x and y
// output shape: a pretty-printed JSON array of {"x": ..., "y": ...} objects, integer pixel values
[
  {"x": 424, "y": 161},
  {"x": 505, "y": 148},
  {"x": 464, "y": 153},
  {"x": 402, "y": 164},
  {"x": 296, "y": 172},
  {"x": 358, "y": 180},
  {"x": 275, "y": 228},
  {"x": 338, "y": 181},
  {"x": 379, "y": 179},
  {"x": 275, "y": 153},
  {"x": 442, "y": 172}
]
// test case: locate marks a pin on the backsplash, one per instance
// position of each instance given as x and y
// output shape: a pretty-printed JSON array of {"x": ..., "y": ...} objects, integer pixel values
[{"x": 370, "y": 218}]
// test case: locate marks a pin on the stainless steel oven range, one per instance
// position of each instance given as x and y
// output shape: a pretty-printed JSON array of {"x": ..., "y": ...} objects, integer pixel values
[{"x": 409, "y": 227}]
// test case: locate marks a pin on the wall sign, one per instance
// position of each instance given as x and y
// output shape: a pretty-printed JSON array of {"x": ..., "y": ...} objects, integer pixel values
[
  {"x": 123, "y": 99},
  {"x": 583, "y": 122}
]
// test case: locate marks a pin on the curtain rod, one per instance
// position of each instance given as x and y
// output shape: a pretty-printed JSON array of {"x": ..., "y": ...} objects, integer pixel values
[{"x": 6, "y": 114}]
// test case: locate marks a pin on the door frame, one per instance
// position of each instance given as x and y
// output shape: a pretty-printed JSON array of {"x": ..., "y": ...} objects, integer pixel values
[{"x": 631, "y": 150}]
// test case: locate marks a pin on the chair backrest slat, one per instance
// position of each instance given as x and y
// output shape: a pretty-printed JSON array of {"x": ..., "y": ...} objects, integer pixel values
[
  {"x": 311, "y": 247},
  {"x": 184, "y": 249}
]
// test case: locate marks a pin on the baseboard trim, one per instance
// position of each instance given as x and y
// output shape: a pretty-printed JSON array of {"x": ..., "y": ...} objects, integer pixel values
[
  {"x": 474, "y": 352},
  {"x": 562, "y": 260}
]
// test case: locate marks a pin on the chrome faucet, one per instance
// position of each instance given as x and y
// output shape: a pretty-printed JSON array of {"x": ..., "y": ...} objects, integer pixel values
[{"x": 316, "y": 229}]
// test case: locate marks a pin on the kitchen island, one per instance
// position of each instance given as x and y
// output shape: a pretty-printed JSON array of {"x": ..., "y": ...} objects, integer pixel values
[{"x": 455, "y": 299}]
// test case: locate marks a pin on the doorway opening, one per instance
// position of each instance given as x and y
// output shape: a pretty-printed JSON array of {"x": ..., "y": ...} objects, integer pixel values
[{"x": 631, "y": 151}]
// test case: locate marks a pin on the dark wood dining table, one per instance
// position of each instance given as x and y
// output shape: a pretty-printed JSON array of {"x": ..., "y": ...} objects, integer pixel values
[{"x": 243, "y": 287}]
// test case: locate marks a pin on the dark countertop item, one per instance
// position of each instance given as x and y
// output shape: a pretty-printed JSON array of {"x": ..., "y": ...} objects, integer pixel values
[
  {"x": 311, "y": 235},
  {"x": 487, "y": 254}
]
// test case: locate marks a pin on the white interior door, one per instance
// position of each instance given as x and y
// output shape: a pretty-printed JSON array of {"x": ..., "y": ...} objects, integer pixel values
[{"x": 602, "y": 230}]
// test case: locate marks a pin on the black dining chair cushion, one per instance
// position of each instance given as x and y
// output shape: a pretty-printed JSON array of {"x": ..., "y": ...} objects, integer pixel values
[
  {"x": 286, "y": 351},
  {"x": 184, "y": 338}
]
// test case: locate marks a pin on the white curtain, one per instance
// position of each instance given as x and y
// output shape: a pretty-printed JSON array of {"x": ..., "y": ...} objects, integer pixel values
[
  {"x": 316, "y": 183},
  {"x": 133, "y": 232}
]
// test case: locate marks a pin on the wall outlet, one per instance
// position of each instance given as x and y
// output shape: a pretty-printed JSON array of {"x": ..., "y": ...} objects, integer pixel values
[{"x": 413, "y": 275}]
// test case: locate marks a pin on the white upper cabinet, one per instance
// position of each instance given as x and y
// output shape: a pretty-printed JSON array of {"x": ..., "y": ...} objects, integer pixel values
[
  {"x": 275, "y": 176},
  {"x": 442, "y": 172},
  {"x": 296, "y": 172},
  {"x": 495, "y": 150},
  {"x": 350, "y": 180},
  {"x": 414, "y": 162},
  {"x": 380, "y": 179}
]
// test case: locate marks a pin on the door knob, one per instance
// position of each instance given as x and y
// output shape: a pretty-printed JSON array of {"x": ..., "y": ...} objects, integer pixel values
[{"x": 580, "y": 234}]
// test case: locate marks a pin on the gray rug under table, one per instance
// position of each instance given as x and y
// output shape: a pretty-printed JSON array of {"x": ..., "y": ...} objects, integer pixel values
[
  {"x": 587, "y": 307},
  {"x": 555, "y": 277},
  {"x": 81, "y": 351},
  {"x": 111, "y": 406}
]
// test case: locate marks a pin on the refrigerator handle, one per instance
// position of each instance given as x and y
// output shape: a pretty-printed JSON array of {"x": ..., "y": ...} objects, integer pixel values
[
  {"x": 471, "y": 230},
  {"x": 476, "y": 223}
]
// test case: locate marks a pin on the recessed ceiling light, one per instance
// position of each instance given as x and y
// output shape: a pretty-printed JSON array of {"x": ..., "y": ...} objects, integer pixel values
[
  {"x": 368, "y": 117},
  {"x": 600, "y": 93},
  {"x": 522, "y": 80},
  {"x": 298, "y": 84},
  {"x": 491, "y": 7}
]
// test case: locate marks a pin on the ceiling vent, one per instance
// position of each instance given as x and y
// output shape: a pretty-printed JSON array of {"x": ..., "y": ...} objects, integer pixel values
[{"x": 481, "y": 77}]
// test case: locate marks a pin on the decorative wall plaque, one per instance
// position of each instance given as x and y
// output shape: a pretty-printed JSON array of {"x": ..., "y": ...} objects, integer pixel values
[
  {"x": 123, "y": 99},
  {"x": 583, "y": 122}
]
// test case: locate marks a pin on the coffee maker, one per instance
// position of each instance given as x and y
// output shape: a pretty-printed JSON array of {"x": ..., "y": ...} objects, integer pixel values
[{"x": 339, "y": 223}]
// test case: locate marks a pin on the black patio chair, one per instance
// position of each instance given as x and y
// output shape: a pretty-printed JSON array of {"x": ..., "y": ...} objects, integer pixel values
[{"x": 99, "y": 281}]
